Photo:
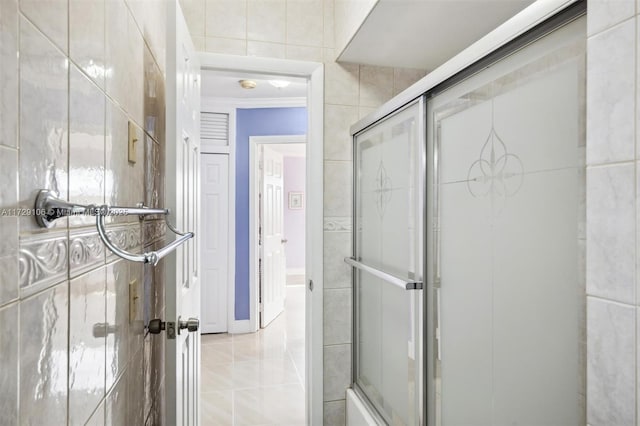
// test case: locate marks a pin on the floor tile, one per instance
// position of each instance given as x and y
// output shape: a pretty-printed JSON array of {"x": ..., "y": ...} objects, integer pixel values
[{"x": 257, "y": 378}]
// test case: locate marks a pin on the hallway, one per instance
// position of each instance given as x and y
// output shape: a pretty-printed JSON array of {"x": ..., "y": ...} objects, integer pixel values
[{"x": 257, "y": 378}]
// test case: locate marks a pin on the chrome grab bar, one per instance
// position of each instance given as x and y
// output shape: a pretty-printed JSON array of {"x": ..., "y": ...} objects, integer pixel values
[
  {"x": 49, "y": 207},
  {"x": 392, "y": 279}
]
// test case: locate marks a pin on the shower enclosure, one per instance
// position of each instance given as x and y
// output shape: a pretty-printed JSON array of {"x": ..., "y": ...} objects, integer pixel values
[
  {"x": 469, "y": 240},
  {"x": 388, "y": 265}
]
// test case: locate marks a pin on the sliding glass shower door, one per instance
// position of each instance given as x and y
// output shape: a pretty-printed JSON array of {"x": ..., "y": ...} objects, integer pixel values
[
  {"x": 506, "y": 270},
  {"x": 388, "y": 265}
]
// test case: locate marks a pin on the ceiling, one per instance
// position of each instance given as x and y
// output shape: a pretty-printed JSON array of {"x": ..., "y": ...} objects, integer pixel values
[
  {"x": 216, "y": 84},
  {"x": 424, "y": 34}
]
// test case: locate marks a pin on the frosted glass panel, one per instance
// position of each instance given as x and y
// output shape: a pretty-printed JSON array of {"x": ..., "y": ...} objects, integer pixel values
[
  {"x": 384, "y": 322},
  {"x": 509, "y": 216},
  {"x": 388, "y": 216},
  {"x": 388, "y": 164}
]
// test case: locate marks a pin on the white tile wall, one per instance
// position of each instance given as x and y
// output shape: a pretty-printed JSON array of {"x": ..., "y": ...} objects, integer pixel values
[
  {"x": 194, "y": 13},
  {"x": 86, "y": 37},
  {"x": 334, "y": 413},
  {"x": 9, "y": 363},
  {"x": 124, "y": 58},
  {"x": 64, "y": 319},
  {"x": 51, "y": 17},
  {"x": 97, "y": 418},
  {"x": 606, "y": 13},
  {"x": 341, "y": 83},
  {"x": 611, "y": 112},
  {"x": 376, "y": 85},
  {"x": 9, "y": 73},
  {"x": 303, "y": 26},
  {"x": 337, "y": 246},
  {"x": 266, "y": 20},
  {"x": 266, "y": 49},
  {"x": 611, "y": 365},
  {"x": 303, "y": 53},
  {"x": 86, "y": 143},
  {"x": 337, "y": 316},
  {"x": 337, "y": 371},
  {"x": 611, "y": 239},
  {"x": 8, "y": 225},
  {"x": 43, "y": 118},
  {"x": 43, "y": 349},
  {"x": 87, "y": 344},
  {"x": 225, "y": 18},
  {"x": 227, "y": 46},
  {"x": 338, "y": 183},
  {"x": 338, "y": 119},
  {"x": 612, "y": 213}
]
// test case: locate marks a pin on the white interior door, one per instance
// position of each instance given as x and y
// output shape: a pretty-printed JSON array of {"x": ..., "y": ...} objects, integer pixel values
[
  {"x": 273, "y": 262},
  {"x": 182, "y": 198},
  {"x": 215, "y": 241}
]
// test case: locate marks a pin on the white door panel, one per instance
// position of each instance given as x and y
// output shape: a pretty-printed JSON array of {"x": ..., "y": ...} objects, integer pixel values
[
  {"x": 215, "y": 238},
  {"x": 182, "y": 197},
  {"x": 272, "y": 282}
]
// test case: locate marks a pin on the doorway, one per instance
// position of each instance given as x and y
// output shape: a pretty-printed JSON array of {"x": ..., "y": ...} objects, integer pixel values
[
  {"x": 277, "y": 222},
  {"x": 247, "y": 351}
]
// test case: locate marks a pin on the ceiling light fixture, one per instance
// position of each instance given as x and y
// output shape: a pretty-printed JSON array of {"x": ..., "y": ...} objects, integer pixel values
[
  {"x": 247, "y": 84},
  {"x": 279, "y": 83}
]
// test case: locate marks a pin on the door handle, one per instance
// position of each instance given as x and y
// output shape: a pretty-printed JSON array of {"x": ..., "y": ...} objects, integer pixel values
[
  {"x": 156, "y": 325},
  {"x": 192, "y": 324},
  {"x": 284, "y": 241}
]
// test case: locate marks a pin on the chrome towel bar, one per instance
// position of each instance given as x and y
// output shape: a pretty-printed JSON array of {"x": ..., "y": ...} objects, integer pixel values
[
  {"x": 400, "y": 282},
  {"x": 49, "y": 207}
]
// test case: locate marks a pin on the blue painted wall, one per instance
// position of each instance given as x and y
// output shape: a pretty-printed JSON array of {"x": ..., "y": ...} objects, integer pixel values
[{"x": 255, "y": 122}]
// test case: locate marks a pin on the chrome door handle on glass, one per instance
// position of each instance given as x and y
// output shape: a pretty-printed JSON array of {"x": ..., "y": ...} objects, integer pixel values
[{"x": 400, "y": 282}]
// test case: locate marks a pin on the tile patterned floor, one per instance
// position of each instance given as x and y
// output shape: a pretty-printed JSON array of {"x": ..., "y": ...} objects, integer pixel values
[{"x": 257, "y": 379}]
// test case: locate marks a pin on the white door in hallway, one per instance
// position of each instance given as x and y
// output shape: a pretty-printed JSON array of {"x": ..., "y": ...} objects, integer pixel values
[
  {"x": 182, "y": 369},
  {"x": 215, "y": 241},
  {"x": 273, "y": 269}
]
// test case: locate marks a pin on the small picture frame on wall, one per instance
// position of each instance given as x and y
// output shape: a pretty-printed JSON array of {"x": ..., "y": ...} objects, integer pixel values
[{"x": 296, "y": 200}]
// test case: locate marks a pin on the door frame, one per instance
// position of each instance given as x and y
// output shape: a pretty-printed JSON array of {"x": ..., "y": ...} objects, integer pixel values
[
  {"x": 254, "y": 248},
  {"x": 313, "y": 72}
]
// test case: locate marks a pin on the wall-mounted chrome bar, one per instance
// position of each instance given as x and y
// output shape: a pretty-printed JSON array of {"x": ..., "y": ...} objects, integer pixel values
[
  {"x": 49, "y": 207},
  {"x": 392, "y": 279}
]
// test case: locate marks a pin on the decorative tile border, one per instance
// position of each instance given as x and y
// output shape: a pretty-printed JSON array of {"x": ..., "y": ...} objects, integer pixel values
[
  {"x": 86, "y": 251},
  {"x": 337, "y": 224},
  {"x": 126, "y": 237},
  {"x": 43, "y": 260}
]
